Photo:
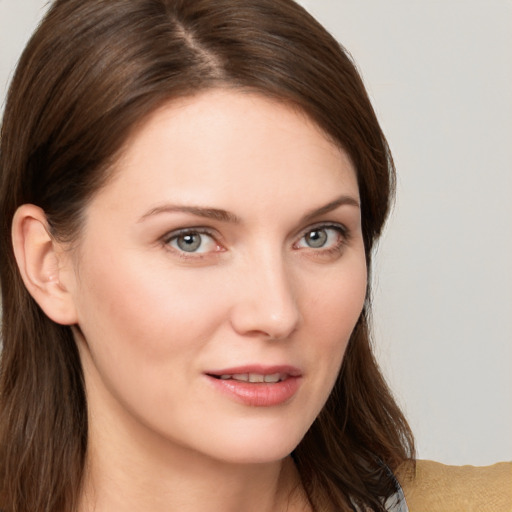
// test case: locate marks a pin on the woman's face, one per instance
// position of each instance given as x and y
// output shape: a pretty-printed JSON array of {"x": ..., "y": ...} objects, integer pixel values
[{"x": 226, "y": 251}]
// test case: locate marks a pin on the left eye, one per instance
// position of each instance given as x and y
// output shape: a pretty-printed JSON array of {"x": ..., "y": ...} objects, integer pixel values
[
  {"x": 192, "y": 242},
  {"x": 324, "y": 237}
]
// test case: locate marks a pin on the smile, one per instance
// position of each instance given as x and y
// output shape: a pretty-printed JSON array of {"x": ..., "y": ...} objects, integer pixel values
[{"x": 257, "y": 386}]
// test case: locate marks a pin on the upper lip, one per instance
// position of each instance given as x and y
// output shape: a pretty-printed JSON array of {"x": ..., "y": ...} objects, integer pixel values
[{"x": 289, "y": 370}]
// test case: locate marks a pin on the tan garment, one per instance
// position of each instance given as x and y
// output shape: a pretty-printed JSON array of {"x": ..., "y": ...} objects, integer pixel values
[{"x": 440, "y": 488}]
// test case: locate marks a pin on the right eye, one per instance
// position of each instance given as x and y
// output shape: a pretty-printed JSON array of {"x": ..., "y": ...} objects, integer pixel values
[{"x": 192, "y": 242}]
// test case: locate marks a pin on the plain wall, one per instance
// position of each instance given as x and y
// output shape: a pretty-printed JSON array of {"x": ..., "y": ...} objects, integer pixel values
[{"x": 440, "y": 76}]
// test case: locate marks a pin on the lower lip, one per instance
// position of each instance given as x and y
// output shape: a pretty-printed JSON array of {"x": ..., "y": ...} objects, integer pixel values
[{"x": 259, "y": 394}]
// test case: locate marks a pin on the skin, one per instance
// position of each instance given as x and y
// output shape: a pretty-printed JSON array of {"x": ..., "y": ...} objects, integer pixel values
[{"x": 276, "y": 280}]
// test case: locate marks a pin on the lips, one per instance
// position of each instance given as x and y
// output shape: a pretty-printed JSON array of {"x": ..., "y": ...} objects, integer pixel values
[{"x": 257, "y": 386}]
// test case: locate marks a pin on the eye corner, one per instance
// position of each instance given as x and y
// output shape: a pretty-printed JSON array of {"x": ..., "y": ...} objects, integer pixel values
[
  {"x": 193, "y": 243},
  {"x": 330, "y": 237}
]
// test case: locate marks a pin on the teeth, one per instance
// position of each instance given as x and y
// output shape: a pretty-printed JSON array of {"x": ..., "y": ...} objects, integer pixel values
[
  {"x": 243, "y": 377},
  {"x": 254, "y": 377}
]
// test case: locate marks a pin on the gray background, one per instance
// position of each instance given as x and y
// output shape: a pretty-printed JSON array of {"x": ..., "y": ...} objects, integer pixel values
[{"x": 440, "y": 76}]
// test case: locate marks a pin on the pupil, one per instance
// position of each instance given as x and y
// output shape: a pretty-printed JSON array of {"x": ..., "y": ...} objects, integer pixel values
[
  {"x": 316, "y": 238},
  {"x": 189, "y": 243}
]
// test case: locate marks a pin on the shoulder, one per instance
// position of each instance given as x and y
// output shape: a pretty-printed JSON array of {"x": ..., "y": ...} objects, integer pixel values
[{"x": 440, "y": 488}]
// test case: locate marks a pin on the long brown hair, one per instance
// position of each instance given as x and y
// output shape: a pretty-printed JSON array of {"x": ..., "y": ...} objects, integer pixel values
[{"x": 92, "y": 71}]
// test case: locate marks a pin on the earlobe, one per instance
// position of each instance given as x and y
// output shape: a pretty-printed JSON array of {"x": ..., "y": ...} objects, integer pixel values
[{"x": 40, "y": 260}]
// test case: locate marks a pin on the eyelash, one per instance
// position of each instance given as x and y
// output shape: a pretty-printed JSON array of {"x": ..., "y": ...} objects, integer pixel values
[
  {"x": 175, "y": 235},
  {"x": 342, "y": 231},
  {"x": 343, "y": 238}
]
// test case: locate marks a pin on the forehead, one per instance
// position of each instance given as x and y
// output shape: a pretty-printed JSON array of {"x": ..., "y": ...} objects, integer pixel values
[{"x": 223, "y": 144}]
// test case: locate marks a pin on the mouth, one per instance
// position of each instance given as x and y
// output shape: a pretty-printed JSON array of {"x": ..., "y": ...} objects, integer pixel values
[
  {"x": 257, "y": 386},
  {"x": 253, "y": 378}
]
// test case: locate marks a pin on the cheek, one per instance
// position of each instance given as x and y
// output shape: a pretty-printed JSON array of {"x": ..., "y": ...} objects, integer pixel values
[
  {"x": 339, "y": 300},
  {"x": 141, "y": 306},
  {"x": 333, "y": 314},
  {"x": 142, "y": 331}
]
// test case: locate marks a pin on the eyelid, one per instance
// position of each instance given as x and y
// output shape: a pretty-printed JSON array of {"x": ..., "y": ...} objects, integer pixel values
[
  {"x": 201, "y": 230},
  {"x": 326, "y": 225},
  {"x": 188, "y": 230},
  {"x": 343, "y": 231}
]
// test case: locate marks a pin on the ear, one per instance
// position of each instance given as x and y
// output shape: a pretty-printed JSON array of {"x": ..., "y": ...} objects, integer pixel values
[{"x": 44, "y": 264}]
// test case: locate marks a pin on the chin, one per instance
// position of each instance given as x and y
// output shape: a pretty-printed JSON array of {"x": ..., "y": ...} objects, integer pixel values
[{"x": 255, "y": 447}]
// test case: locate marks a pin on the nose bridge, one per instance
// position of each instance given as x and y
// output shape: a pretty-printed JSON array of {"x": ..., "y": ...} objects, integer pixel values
[{"x": 267, "y": 301}]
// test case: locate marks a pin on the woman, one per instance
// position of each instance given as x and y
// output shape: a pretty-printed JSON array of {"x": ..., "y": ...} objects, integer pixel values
[{"x": 191, "y": 191}]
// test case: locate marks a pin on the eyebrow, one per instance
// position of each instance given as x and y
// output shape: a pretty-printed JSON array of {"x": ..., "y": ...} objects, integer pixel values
[
  {"x": 329, "y": 207},
  {"x": 208, "y": 213},
  {"x": 225, "y": 216}
]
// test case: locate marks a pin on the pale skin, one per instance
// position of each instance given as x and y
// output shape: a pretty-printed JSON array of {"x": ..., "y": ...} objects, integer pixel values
[{"x": 229, "y": 236}]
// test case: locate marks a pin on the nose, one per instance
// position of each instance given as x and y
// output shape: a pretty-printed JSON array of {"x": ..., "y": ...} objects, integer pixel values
[{"x": 265, "y": 302}]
